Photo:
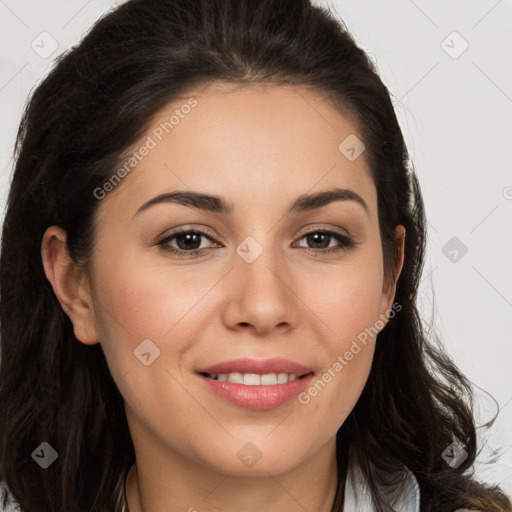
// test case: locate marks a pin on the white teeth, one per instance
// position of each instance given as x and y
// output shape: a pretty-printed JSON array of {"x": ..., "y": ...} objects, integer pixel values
[
  {"x": 236, "y": 378},
  {"x": 254, "y": 379},
  {"x": 269, "y": 379}
]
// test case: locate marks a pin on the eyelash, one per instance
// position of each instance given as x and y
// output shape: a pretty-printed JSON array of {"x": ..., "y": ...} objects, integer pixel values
[{"x": 345, "y": 241}]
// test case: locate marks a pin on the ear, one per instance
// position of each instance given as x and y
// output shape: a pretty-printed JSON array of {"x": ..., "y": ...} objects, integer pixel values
[
  {"x": 389, "y": 289},
  {"x": 70, "y": 286}
]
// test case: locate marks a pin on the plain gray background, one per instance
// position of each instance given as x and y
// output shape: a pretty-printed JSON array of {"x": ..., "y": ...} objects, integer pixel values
[{"x": 448, "y": 65}]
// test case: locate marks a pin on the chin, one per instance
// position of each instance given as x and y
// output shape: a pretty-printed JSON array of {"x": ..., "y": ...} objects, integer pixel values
[{"x": 246, "y": 459}]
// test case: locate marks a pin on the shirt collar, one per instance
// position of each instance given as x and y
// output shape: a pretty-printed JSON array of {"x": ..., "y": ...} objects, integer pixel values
[{"x": 357, "y": 496}]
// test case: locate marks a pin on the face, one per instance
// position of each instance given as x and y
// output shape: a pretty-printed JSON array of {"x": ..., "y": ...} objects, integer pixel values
[{"x": 180, "y": 285}]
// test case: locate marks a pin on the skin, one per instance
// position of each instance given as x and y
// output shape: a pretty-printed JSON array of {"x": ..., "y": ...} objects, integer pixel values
[{"x": 259, "y": 148}]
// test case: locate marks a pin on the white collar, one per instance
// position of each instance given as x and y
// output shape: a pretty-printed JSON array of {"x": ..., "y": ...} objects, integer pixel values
[{"x": 357, "y": 496}]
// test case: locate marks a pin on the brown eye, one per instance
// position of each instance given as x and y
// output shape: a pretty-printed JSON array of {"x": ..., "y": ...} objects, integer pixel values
[
  {"x": 319, "y": 241},
  {"x": 187, "y": 242}
]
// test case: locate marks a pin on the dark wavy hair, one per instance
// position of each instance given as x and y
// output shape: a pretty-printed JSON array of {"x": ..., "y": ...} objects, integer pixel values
[{"x": 77, "y": 127}]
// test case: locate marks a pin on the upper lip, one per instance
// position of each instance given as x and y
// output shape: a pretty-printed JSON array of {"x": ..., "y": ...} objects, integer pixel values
[{"x": 259, "y": 366}]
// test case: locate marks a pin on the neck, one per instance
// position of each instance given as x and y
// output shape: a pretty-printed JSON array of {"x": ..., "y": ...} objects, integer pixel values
[{"x": 313, "y": 486}]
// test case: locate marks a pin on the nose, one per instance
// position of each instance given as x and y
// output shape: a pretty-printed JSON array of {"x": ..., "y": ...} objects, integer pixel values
[{"x": 261, "y": 295}]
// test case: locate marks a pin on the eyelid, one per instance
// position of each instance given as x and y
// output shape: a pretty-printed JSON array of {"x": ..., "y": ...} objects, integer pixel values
[
  {"x": 203, "y": 230},
  {"x": 321, "y": 227}
]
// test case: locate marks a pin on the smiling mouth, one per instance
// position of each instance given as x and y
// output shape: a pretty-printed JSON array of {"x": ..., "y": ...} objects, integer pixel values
[
  {"x": 257, "y": 384},
  {"x": 255, "y": 379}
]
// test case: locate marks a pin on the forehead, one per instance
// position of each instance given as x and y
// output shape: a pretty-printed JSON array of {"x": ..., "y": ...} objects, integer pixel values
[{"x": 239, "y": 140}]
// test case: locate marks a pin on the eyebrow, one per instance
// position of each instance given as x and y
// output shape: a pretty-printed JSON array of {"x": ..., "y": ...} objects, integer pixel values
[{"x": 216, "y": 204}]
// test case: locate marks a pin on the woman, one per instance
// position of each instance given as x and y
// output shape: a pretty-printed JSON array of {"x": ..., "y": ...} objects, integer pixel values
[{"x": 209, "y": 268}]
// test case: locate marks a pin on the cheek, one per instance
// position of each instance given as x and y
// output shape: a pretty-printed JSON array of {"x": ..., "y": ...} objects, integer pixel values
[
  {"x": 136, "y": 302},
  {"x": 346, "y": 298},
  {"x": 145, "y": 295},
  {"x": 139, "y": 303},
  {"x": 349, "y": 345},
  {"x": 347, "y": 304}
]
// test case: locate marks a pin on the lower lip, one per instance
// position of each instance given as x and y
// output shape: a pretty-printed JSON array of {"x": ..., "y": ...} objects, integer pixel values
[{"x": 258, "y": 397}]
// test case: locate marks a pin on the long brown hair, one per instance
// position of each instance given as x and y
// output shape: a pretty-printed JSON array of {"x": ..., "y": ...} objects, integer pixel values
[{"x": 78, "y": 125}]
